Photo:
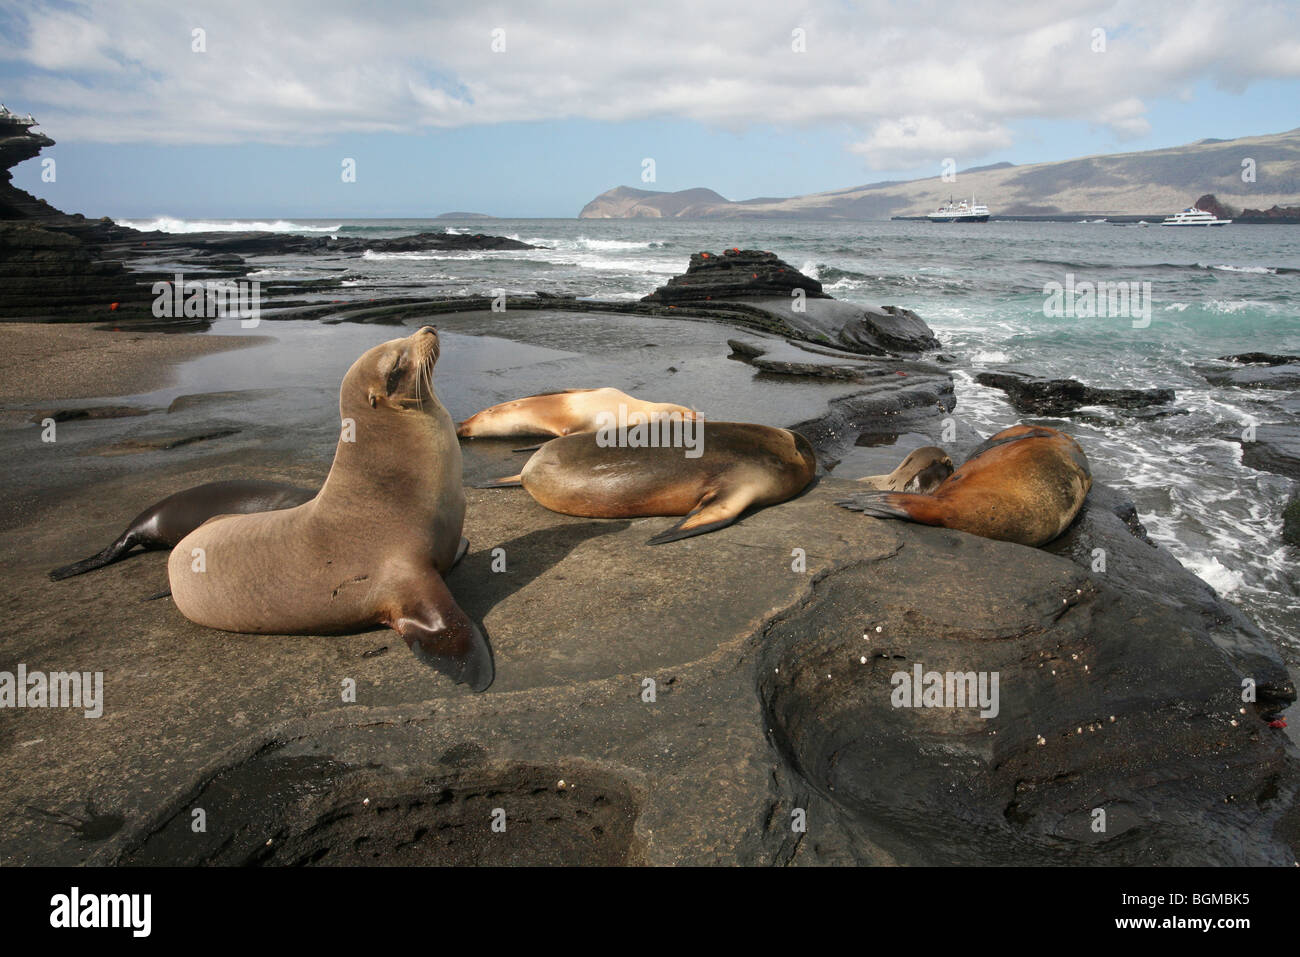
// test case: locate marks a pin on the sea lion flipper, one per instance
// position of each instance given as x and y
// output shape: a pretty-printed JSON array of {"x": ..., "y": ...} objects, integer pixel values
[
  {"x": 113, "y": 553},
  {"x": 510, "y": 481},
  {"x": 713, "y": 512},
  {"x": 442, "y": 636},
  {"x": 882, "y": 504}
]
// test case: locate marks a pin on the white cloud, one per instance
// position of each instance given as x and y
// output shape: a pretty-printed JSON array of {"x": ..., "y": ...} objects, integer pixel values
[
  {"x": 914, "y": 140},
  {"x": 916, "y": 80}
]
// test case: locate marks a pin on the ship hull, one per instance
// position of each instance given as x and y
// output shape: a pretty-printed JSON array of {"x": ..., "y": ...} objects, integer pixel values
[{"x": 958, "y": 219}]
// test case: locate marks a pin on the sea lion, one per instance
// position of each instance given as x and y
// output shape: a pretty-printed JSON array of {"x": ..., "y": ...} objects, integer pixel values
[
  {"x": 564, "y": 413},
  {"x": 1025, "y": 484},
  {"x": 165, "y": 523},
  {"x": 739, "y": 465},
  {"x": 371, "y": 547},
  {"x": 921, "y": 471}
]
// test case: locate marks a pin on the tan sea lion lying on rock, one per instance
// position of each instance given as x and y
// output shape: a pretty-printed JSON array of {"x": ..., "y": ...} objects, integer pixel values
[
  {"x": 1025, "y": 484},
  {"x": 737, "y": 465},
  {"x": 564, "y": 413}
]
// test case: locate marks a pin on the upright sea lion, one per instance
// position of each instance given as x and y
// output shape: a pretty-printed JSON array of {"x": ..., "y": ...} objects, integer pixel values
[
  {"x": 1025, "y": 484},
  {"x": 564, "y": 413},
  {"x": 739, "y": 465},
  {"x": 165, "y": 523},
  {"x": 921, "y": 471},
  {"x": 371, "y": 547}
]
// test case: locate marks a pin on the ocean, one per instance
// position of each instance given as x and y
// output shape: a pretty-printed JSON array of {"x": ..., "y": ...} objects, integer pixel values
[{"x": 980, "y": 287}]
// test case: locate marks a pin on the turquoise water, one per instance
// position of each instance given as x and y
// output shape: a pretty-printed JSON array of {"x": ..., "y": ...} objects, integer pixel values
[{"x": 981, "y": 288}]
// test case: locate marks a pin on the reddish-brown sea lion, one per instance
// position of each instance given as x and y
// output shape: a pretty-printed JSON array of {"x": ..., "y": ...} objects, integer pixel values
[
  {"x": 371, "y": 547},
  {"x": 564, "y": 413},
  {"x": 921, "y": 471},
  {"x": 738, "y": 465},
  {"x": 165, "y": 523},
  {"x": 1025, "y": 484}
]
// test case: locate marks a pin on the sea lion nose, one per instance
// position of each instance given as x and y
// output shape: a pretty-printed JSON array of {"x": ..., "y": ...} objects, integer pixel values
[{"x": 430, "y": 329}]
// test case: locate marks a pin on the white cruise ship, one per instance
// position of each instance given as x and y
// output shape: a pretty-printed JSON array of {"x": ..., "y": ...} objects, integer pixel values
[
  {"x": 1192, "y": 216},
  {"x": 962, "y": 212}
]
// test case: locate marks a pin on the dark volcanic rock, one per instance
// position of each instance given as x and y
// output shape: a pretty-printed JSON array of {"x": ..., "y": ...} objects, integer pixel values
[
  {"x": 1276, "y": 448},
  {"x": 1093, "y": 684},
  {"x": 1262, "y": 370},
  {"x": 1280, "y": 215},
  {"x": 1255, "y": 376},
  {"x": 1291, "y": 519},
  {"x": 1260, "y": 358},
  {"x": 1038, "y": 396},
  {"x": 282, "y": 244},
  {"x": 736, "y": 274},
  {"x": 45, "y": 271}
]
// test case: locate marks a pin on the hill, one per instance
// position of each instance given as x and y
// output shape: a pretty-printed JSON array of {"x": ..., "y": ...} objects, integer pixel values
[{"x": 1149, "y": 183}]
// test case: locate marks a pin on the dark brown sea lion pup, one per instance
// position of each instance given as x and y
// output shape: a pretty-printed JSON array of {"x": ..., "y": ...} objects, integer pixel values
[
  {"x": 165, "y": 523},
  {"x": 563, "y": 413},
  {"x": 1025, "y": 484},
  {"x": 739, "y": 465},
  {"x": 371, "y": 547},
  {"x": 921, "y": 471}
]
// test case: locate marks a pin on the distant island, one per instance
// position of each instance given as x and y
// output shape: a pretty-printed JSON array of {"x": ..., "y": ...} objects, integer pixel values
[
  {"x": 1151, "y": 184},
  {"x": 464, "y": 216}
]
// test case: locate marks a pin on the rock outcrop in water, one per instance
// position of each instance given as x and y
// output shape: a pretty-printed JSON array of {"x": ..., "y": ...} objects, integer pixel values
[
  {"x": 1279, "y": 215},
  {"x": 1256, "y": 370},
  {"x": 758, "y": 282},
  {"x": 735, "y": 274},
  {"x": 59, "y": 266},
  {"x": 1034, "y": 395}
]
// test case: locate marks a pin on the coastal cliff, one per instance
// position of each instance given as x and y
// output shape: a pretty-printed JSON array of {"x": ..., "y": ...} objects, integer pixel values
[{"x": 1151, "y": 183}]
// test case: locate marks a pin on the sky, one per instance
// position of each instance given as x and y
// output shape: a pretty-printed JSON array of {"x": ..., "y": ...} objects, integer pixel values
[{"x": 239, "y": 109}]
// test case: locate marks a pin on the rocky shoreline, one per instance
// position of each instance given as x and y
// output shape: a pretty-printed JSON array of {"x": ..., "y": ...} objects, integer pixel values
[{"x": 772, "y": 646}]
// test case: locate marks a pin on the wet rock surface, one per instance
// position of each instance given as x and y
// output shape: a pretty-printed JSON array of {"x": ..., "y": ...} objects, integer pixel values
[
  {"x": 1291, "y": 519},
  {"x": 1276, "y": 448},
  {"x": 1053, "y": 397},
  {"x": 1257, "y": 370},
  {"x": 735, "y": 274},
  {"x": 762, "y": 708}
]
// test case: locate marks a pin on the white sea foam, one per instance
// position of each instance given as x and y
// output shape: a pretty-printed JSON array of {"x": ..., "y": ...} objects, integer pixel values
[
  {"x": 1223, "y": 267},
  {"x": 169, "y": 224},
  {"x": 1214, "y": 573}
]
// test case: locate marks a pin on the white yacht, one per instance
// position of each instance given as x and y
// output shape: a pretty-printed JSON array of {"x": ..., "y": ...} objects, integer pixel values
[
  {"x": 962, "y": 212},
  {"x": 1192, "y": 216}
]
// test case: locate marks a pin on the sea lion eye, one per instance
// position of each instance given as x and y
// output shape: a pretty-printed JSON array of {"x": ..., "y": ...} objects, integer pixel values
[{"x": 394, "y": 378}]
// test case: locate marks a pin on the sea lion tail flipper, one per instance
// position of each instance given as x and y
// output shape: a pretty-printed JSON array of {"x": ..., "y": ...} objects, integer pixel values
[
  {"x": 443, "y": 637},
  {"x": 512, "y": 481},
  {"x": 885, "y": 504},
  {"x": 711, "y": 514},
  {"x": 113, "y": 553}
]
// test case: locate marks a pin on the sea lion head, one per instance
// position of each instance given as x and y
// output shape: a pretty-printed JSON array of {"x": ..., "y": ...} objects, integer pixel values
[
  {"x": 924, "y": 469},
  {"x": 922, "y": 472},
  {"x": 805, "y": 451},
  {"x": 395, "y": 375}
]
